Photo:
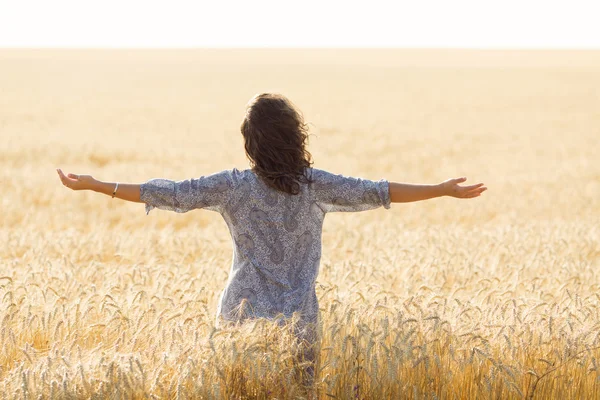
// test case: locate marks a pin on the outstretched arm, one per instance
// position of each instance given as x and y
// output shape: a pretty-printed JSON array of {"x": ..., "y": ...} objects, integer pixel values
[
  {"x": 407, "y": 192},
  {"x": 126, "y": 191}
]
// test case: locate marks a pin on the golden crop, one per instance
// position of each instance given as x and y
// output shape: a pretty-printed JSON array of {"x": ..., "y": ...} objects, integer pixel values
[{"x": 494, "y": 297}]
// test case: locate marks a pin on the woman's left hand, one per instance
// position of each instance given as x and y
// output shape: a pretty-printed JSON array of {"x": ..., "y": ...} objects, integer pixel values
[
  {"x": 76, "y": 182},
  {"x": 451, "y": 187}
]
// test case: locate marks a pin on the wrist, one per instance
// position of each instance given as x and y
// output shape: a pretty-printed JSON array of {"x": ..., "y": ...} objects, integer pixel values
[
  {"x": 441, "y": 189},
  {"x": 95, "y": 185}
]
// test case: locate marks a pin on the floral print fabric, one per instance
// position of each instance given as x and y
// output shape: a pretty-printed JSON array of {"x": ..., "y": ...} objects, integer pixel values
[{"x": 276, "y": 236}]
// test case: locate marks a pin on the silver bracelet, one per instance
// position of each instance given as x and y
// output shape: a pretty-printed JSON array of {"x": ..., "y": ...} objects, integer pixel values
[{"x": 115, "y": 191}]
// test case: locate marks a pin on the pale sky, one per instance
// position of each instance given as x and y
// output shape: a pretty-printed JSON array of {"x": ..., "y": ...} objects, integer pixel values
[{"x": 301, "y": 23}]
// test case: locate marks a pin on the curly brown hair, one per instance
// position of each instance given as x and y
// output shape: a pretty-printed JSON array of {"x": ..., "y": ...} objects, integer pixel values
[{"x": 275, "y": 138}]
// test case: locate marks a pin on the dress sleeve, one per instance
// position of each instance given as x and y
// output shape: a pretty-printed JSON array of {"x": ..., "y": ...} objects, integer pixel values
[
  {"x": 343, "y": 193},
  {"x": 210, "y": 192}
]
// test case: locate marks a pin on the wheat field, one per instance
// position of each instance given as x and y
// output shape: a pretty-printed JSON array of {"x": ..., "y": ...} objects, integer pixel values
[{"x": 496, "y": 297}]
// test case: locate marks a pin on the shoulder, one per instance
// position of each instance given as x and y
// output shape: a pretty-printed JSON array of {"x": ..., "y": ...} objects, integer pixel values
[
  {"x": 239, "y": 175},
  {"x": 321, "y": 176},
  {"x": 241, "y": 178},
  {"x": 226, "y": 178},
  {"x": 316, "y": 173}
]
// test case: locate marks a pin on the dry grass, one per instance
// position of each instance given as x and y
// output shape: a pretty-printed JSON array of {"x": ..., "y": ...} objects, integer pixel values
[{"x": 496, "y": 297}]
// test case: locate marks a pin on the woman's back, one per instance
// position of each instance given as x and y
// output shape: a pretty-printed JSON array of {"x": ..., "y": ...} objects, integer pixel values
[{"x": 276, "y": 236}]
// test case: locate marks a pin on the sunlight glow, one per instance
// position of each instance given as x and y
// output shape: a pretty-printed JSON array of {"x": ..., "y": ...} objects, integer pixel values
[{"x": 307, "y": 23}]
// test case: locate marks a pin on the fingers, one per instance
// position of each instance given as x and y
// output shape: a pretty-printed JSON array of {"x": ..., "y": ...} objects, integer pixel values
[
  {"x": 73, "y": 176},
  {"x": 464, "y": 192},
  {"x": 64, "y": 179},
  {"x": 468, "y": 188},
  {"x": 474, "y": 193},
  {"x": 62, "y": 176}
]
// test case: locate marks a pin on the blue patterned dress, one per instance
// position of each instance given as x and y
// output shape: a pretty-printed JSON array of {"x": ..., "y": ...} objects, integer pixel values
[{"x": 276, "y": 236}]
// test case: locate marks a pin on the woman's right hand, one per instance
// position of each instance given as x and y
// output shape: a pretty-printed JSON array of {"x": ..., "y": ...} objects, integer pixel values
[{"x": 76, "y": 182}]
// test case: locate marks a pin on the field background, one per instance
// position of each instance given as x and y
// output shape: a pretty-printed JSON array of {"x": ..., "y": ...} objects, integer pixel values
[{"x": 493, "y": 297}]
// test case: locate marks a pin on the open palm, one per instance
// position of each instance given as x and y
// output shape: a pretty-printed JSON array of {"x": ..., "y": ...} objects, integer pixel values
[
  {"x": 452, "y": 188},
  {"x": 74, "y": 181}
]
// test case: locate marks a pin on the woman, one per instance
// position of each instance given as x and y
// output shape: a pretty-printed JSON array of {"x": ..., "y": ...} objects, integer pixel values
[{"x": 274, "y": 212}]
